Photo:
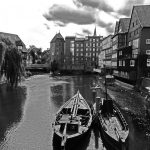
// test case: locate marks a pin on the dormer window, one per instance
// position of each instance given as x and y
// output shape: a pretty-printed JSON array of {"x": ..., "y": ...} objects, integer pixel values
[
  {"x": 133, "y": 24},
  {"x": 19, "y": 47}
]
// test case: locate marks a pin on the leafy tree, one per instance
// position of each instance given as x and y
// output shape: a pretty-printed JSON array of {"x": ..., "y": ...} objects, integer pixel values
[
  {"x": 12, "y": 66},
  {"x": 35, "y": 53}
]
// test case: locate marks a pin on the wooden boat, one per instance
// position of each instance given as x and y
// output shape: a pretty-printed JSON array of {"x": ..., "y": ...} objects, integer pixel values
[
  {"x": 113, "y": 126},
  {"x": 109, "y": 80},
  {"x": 73, "y": 120}
]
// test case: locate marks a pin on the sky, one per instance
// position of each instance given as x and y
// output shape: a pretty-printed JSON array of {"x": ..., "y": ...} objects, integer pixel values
[{"x": 37, "y": 21}]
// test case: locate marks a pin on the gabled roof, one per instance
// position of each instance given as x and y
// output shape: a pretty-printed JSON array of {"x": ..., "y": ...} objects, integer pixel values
[
  {"x": 143, "y": 12},
  {"x": 125, "y": 22},
  {"x": 57, "y": 36},
  {"x": 116, "y": 28},
  {"x": 14, "y": 39}
]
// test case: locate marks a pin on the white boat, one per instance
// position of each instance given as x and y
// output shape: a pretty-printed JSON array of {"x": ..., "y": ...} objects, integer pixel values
[{"x": 73, "y": 120}]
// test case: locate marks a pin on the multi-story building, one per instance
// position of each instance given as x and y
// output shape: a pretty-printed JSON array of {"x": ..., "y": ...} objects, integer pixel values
[
  {"x": 15, "y": 40},
  {"x": 139, "y": 39},
  {"x": 92, "y": 49},
  {"x": 134, "y": 58},
  {"x": 79, "y": 53},
  {"x": 69, "y": 51},
  {"x": 82, "y": 53},
  {"x": 119, "y": 40},
  {"x": 57, "y": 49},
  {"x": 106, "y": 54}
]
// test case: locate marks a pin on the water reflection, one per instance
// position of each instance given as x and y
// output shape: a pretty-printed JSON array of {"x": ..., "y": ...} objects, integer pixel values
[
  {"x": 44, "y": 97},
  {"x": 11, "y": 104},
  {"x": 79, "y": 144}
]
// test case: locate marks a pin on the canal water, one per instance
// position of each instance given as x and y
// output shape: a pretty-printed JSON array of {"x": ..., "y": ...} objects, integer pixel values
[{"x": 27, "y": 114}]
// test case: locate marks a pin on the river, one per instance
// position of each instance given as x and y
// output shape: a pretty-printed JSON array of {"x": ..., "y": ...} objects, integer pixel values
[{"x": 27, "y": 113}]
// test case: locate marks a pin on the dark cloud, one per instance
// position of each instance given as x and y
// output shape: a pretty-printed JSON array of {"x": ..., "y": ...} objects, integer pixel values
[
  {"x": 128, "y": 7},
  {"x": 99, "y": 4},
  {"x": 86, "y": 32},
  {"x": 67, "y": 15},
  {"x": 110, "y": 28},
  {"x": 102, "y": 24},
  {"x": 47, "y": 26}
]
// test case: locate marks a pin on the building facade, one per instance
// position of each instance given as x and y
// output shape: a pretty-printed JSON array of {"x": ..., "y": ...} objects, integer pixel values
[
  {"x": 82, "y": 53},
  {"x": 106, "y": 54},
  {"x": 57, "y": 49},
  {"x": 134, "y": 58}
]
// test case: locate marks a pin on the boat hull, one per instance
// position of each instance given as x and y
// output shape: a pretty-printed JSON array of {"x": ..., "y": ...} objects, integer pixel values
[
  {"x": 111, "y": 143},
  {"x": 72, "y": 143}
]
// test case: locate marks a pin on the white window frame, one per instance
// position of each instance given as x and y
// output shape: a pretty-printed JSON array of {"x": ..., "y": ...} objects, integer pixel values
[
  {"x": 147, "y": 41},
  {"x": 120, "y": 53},
  {"x": 148, "y": 62},
  {"x": 148, "y": 52},
  {"x": 132, "y": 63}
]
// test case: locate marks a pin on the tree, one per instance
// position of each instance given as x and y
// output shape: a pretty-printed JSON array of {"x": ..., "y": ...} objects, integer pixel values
[
  {"x": 35, "y": 53},
  {"x": 12, "y": 66}
]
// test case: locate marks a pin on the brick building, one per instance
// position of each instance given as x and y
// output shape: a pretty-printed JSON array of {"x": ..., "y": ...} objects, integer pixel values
[
  {"x": 82, "y": 53},
  {"x": 57, "y": 49}
]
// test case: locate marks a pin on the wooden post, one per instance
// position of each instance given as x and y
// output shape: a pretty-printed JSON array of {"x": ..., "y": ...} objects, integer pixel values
[
  {"x": 94, "y": 94},
  {"x": 97, "y": 103}
]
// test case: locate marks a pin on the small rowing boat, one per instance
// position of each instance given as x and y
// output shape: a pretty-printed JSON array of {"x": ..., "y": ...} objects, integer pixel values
[
  {"x": 113, "y": 126},
  {"x": 73, "y": 120}
]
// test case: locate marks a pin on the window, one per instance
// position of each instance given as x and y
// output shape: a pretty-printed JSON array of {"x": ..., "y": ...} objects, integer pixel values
[
  {"x": 81, "y": 54},
  {"x": 120, "y": 53},
  {"x": 135, "y": 53},
  {"x": 93, "y": 44},
  {"x": 81, "y": 45},
  {"x": 148, "y": 52},
  {"x": 77, "y": 45},
  {"x": 123, "y": 63},
  {"x": 19, "y": 47},
  {"x": 133, "y": 24},
  {"x": 87, "y": 44},
  {"x": 81, "y": 49},
  {"x": 120, "y": 63},
  {"x": 147, "y": 41},
  {"x": 135, "y": 43},
  {"x": 77, "y": 49},
  {"x": 93, "y": 40},
  {"x": 93, "y": 49},
  {"x": 132, "y": 63},
  {"x": 130, "y": 43},
  {"x": 148, "y": 62}
]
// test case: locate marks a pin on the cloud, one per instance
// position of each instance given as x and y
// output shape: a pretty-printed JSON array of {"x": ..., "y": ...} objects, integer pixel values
[
  {"x": 110, "y": 28},
  {"x": 64, "y": 14},
  {"x": 79, "y": 35},
  {"x": 47, "y": 26},
  {"x": 99, "y": 4},
  {"x": 86, "y": 31},
  {"x": 59, "y": 23},
  {"x": 126, "y": 10}
]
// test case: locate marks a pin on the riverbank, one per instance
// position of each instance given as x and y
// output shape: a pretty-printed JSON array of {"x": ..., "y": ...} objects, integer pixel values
[{"x": 130, "y": 102}]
